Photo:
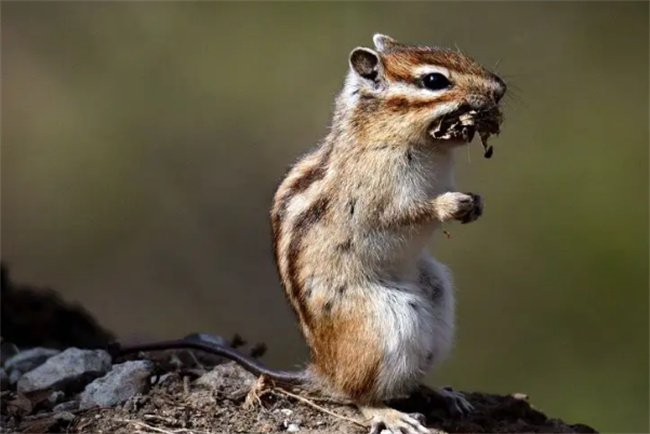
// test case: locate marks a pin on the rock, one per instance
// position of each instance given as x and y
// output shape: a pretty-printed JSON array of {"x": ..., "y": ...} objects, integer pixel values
[
  {"x": 285, "y": 411},
  {"x": 520, "y": 396},
  {"x": 161, "y": 378},
  {"x": 65, "y": 416},
  {"x": 227, "y": 373},
  {"x": 120, "y": 384},
  {"x": 27, "y": 360},
  {"x": 293, "y": 427},
  {"x": 66, "y": 406},
  {"x": 69, "y": 370},
  {"x": 56, "y": 397}
]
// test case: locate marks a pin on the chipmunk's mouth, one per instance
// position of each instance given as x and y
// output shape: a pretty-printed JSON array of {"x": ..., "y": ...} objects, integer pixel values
[{"x": 460, "y": 126}]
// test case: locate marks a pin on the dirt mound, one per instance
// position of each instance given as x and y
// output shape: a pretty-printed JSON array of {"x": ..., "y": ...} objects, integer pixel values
[
  {"x": 49, "y": 389},
  {"x": 215, "y": 401}
]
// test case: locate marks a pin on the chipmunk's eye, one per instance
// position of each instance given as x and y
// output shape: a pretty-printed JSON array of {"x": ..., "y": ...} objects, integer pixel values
[{"x": 435, "y": 81}]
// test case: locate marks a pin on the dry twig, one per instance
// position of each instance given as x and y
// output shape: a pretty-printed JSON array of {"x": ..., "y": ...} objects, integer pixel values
[
  {"x": 186, "y": 384},
  {"x": 157, "y": 429},
  {"x": 318, "y": 407}
]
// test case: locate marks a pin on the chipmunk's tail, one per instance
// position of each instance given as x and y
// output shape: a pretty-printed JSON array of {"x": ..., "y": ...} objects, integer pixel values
[{"x": 196, "y": 343}]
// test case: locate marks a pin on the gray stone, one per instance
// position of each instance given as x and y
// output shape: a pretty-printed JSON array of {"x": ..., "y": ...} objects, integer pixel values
[
  {"x": 120, "y": 384},
  {"x": 66, "y": 406},
  {"x": 225, "y": 374},
  {"x": 29, "y": 359},
  {"x": 291, "y": 426},
  {"x": 69, "y": 371},
  {"x": 64, "y": 416},
  {"x": 161, "y": 378},
  {"x": 56, "y": 397}
]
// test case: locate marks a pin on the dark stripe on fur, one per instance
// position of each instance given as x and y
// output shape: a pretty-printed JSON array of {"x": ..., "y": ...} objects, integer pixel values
[
  {"x": 301, "y": 227},
  {"x": 299, "y": 185}
]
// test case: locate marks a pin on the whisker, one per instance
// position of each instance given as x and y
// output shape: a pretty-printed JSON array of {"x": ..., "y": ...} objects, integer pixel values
[
  {"x": 515, "y": 99},
  {"x": 516, "y": 75},
  {"x": 496, "y": 65}
]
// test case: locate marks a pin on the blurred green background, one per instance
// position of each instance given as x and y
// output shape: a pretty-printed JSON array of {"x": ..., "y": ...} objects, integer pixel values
[{"x": 142, "y": 143}]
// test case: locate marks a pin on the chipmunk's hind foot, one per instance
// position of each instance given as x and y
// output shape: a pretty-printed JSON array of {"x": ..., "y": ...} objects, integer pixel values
[{"x": 385, "y": 420}]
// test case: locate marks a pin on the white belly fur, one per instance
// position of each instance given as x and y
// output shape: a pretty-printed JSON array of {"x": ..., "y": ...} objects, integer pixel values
[{"x": 416, "y": 325}]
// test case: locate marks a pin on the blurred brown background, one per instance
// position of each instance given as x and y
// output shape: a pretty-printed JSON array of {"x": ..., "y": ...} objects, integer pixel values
[{"x": 142, "y": 142}]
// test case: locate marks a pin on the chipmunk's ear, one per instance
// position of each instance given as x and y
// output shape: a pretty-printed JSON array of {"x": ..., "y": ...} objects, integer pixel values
[
  {"x": 383, "y": 42},
  {"x": 365, "y": 62}
]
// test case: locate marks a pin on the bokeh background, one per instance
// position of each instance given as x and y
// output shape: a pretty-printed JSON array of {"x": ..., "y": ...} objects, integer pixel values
[{"x": 142, "y": 143}]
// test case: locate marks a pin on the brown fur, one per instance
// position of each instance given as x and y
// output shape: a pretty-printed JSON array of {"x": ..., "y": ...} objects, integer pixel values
[
  {"x": 400, "y": 62},
  {"x": 337, "y": 198},
  {"x": 348, "y": 353}
]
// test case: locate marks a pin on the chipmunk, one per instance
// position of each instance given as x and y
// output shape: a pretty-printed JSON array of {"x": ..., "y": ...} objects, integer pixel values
[{"x": 352, "y": 218}]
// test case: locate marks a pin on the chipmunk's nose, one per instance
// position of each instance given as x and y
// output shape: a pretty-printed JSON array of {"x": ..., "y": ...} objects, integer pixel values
[{"x": 499, "y": 88}]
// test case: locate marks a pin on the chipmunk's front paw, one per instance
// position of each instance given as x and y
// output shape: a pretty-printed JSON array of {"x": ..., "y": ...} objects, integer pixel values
[{"x": 464, "y": 207}]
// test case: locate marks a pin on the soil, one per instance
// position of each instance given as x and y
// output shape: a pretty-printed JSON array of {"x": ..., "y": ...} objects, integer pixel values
[
  {"x": 200, "y": 393},
  {"x": 182, "y": 404}
]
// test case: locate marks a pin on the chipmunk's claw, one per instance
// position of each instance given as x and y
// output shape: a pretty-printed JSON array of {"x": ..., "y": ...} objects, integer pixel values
[
  {"x": 390, "y": 421},
  {"x": 458, "y": 404}
]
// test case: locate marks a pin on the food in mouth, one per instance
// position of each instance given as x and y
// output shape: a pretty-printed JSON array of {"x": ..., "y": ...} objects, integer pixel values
[{"x": 462, "y": 124}]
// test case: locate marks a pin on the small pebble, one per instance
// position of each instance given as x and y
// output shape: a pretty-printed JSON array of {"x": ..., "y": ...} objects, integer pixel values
[
  {"x": 520, "y": 396},
  {"x": 64, "y": 416},
  {"x": 293, "y": 427},
  {"x": 161, "y": 378},
  {"x": 56, "y": 397},
  {"x": 66, "y": 406}
]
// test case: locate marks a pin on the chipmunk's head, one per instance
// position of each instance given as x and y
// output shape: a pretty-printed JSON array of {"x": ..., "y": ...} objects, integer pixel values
[{"x": 428, "y": 93}]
